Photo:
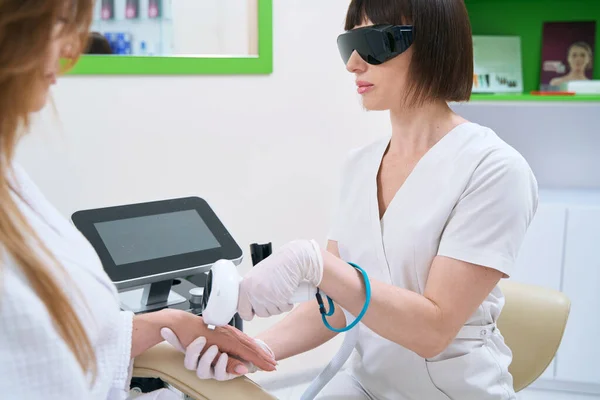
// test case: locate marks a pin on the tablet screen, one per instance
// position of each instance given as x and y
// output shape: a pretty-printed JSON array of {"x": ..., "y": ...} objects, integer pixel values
[{"x": 155, "y": 236}]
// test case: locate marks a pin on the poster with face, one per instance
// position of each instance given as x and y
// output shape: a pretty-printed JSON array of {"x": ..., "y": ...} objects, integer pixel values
[{"x": 568, "y": 50}]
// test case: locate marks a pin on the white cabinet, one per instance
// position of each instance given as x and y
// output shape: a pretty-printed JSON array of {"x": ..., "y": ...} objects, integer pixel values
[
  {"x": 578, "y": 355},
  {"x": 540, "y": 259}
]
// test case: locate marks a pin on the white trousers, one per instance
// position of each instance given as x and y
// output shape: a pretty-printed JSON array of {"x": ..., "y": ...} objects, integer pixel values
[{"x": 343, "y": 386}]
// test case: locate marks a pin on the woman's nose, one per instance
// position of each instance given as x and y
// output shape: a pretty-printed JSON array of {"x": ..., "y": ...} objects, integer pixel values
[{"x": 355, "y": 63}]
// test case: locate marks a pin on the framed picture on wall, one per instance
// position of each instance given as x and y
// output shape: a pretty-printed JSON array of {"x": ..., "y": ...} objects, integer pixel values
[
  {"x": 497, "y": 64},
  {"x": 568, "y": 50}
]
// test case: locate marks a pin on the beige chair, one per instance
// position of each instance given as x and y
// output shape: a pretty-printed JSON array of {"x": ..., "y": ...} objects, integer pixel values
[
  {"x": 164, "y": 362},
  {"x": 532, "y": 322}
]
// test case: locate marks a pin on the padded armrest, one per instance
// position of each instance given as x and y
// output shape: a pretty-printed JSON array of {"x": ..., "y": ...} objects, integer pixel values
[{"x": 164, "y": 362}]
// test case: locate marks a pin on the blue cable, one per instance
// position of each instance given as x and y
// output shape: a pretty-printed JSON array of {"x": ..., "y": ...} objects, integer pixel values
[{"x": 332, "y": 307}]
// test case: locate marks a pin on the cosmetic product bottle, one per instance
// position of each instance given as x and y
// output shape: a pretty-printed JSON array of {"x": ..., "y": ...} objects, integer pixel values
[
  {"x": 143, "y": 48},
  {"x": 132, "y": 9},
  {"x": 107, "y": 10},
  {"x": 154, "y": 9}
]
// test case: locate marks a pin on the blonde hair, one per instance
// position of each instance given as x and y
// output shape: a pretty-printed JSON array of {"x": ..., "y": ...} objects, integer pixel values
[{"x": 26, "y": 33}]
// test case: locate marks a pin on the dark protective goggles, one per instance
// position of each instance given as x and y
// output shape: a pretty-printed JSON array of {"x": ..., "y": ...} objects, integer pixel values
[{"x": 375, "y": 44}]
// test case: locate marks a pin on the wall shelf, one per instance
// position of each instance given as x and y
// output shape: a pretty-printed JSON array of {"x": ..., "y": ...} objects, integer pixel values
[{"x": 525, "y": 18}]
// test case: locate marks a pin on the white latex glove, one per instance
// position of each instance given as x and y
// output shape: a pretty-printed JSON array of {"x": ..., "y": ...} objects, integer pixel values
[
  {"x": 267, "y": 289},
  {"x": 203, "y": 365}
]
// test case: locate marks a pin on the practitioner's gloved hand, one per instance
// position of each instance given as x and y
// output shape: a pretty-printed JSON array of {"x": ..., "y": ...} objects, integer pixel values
[
  {"x": 267, "y": 289},
  {"x": 211, "y": 363}
]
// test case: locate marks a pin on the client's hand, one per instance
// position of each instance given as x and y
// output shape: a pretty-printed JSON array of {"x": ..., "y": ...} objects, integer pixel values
[
  {"x": 212, "y": 364},
  {"x": 187, "y": 329}
]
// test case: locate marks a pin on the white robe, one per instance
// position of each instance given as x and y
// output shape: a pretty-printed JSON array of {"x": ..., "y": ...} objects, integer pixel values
[{"x": 35, "y": 363}]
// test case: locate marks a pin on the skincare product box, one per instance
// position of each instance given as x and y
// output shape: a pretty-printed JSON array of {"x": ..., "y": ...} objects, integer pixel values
[
  {"x": 120, "y": 42},
  {"x": 497, "y": 64}
]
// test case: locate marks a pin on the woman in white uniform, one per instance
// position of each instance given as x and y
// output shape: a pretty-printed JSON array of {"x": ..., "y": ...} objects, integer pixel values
[
  {"x": 435, "y": 213},
  {"x": 62, "y": 335}
]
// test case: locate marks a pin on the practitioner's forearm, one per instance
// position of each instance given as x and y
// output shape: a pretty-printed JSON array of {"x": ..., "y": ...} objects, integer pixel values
[{"x": 302, "y": 330}]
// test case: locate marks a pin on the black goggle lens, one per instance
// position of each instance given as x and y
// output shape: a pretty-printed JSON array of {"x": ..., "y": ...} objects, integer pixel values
[{"x": 375, "y": 44}]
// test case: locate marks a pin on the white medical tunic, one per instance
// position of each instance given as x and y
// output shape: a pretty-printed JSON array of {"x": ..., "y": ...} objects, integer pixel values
[
  {"x": 471, "y": 197},
  {"x": 35, "y": 363}
]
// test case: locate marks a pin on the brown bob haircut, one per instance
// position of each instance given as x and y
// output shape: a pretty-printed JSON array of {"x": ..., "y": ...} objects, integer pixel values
[{"x": 442, "y": 62}]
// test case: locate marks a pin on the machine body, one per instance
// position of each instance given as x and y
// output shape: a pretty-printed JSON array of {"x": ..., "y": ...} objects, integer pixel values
[
  {"x": 158, "y": 253},
  {"x": 177, "y": 253}
]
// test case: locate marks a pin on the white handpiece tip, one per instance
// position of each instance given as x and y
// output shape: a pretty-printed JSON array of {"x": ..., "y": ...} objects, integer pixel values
[{"x": 223, "y": 299}]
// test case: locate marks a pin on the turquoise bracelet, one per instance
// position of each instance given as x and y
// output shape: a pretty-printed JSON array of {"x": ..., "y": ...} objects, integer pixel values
[{"x": 329, "y": 313}]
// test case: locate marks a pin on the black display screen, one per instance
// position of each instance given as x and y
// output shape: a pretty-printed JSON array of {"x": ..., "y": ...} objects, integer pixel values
[{"x": 155, "y": 236}]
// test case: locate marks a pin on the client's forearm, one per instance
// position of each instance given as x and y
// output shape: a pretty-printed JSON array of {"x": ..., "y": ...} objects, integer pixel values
[
  {"x": 146, "y": 331},
  {"x": 302, "y": 330}
]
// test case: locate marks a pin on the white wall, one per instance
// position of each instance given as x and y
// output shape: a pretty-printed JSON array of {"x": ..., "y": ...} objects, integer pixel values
[
  {"x": 265, "y": 151},
  {"x": 560, "y": 140}
]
